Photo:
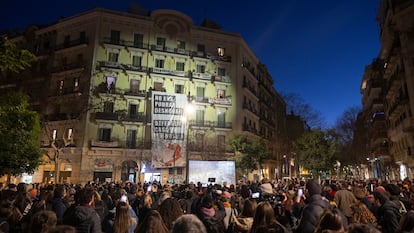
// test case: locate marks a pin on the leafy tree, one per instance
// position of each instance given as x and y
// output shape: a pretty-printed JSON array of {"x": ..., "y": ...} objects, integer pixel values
[
  {"x": 13, "y": 59},
  {"x": 250, "y": 154},
  {"x": 296, "y": 105},
  {"x": 19, "y": 135},
  {"x": 318, "y": 150}
]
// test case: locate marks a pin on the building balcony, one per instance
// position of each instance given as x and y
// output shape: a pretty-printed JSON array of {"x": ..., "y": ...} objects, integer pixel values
[
  {"x": 250, "y": 108},
  {"x": 109, "y": 64},
  {"x": 138, "y": 144},
  {"x": 202, "y": 54},
  {"x": 158, "y": 70},
  {"x": 221, "y": 78},
  {"x": 138, "y": 93},
  {"x": 249, "y": 128},
  {"x": 69, "y": 66},
  {"x": 109, "y": 116},
  {"x": 72, "y": 43},
  {"x": 397, "y": 106},
  {"x": 201, "y": 76},
  {"x": 134, "y": 44},
  {"x": 220, "y": 101},
  {"x": 210, "y": 124},
  {"x": 67, "y": 91},
  {"x": 129, "y": 67},
  {"x": 250, "y": 88},
  {"x": 200, "y": 99},
  {"x": 110, "y": 144},
  {"x": 139, "y": 117},
  {"x": 166, "y": 49}
]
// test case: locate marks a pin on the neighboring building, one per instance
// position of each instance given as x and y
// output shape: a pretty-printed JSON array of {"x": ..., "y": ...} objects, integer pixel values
[
  {"x": 392, "y": 79},
  {"x": 377, "y": 155},
  {"x": 104, "y": 79}
]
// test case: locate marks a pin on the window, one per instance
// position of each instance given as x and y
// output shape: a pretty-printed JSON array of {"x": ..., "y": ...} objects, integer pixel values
[
  {"x": 115, "y": 37},
  {"x": 221, "y": 142},
  {"x": 180, "y": 44},
  {"x": 221, "y": 71},
  {"x": 201, "y": 48},
  {"x": 69, "y": 135},
  {"x": 104, "y": 134},
  {"x": 82, "y": 36},
  {"x": 158, "y": 86},
  {"x": 132, "y": 110},
  {"x": 67, "y": 41},
  {"x": 170, "y": 171},
  {"x": 221, "y": 94},
  {"x": 136, "y": 61},
  {"x": 199, "y": 117},
  {"x": 200, "y": 92},
  {"x": 138, "y": 40},
  {"x": 159, "y": 63},
  {"x": 54, "y": 134},
  {"x": 201, "y": 68},
  {"x": 113, "y": 57},
  {"x": 179, "y": 66},
  {"x": 160, "y": 43},
  {"x": 110, "y": 84},
  {"x": 220, "y": 51},
  {"x": 179, "y": 170},
  {"x": 76, "y": 84},
  {"x": 179, "y": 88},
  {"x": 131, "y": 139},
  {"x": 60, "y": 85},
  {"x": 221, "y": 120},
  {"x": 134, "y": 85},
  {"x": 108, "y": 107}
]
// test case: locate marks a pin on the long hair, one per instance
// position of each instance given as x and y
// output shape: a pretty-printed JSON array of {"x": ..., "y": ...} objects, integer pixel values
[
  {"x": 152, "y": 223},
  {"x": 123, "y": 219},
  {"x": 170, "y": 210},
  {"x": 330, "y": 220},
  {"x": 249, "y": 208},
  {"x": 42, "y": 221},
  {"x": 264, "y": 216},
  {"x": 147, "y": 200},
  {"x": 361, "y": 214}
]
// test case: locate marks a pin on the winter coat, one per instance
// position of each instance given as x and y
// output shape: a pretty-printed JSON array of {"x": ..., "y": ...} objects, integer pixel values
[
  {"x": 311, "y": 213},
  {"x": 84, "y": 218},
  {"x": 388, "y": 216},
  {"x": 59, "y": 207}
]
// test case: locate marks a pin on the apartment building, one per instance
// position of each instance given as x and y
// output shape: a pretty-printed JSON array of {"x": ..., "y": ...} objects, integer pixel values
[
  {"x": 113, "y": 89},
  {"x": 394, "y": 85}
]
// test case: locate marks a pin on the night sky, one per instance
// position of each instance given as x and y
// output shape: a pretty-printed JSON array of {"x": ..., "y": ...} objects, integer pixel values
[{"x": 317, "y": 49}]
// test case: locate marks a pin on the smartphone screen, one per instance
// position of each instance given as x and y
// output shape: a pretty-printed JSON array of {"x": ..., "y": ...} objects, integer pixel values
[
  {"x": 255, "y": 195},
  {"x": 123, "y": 198},
  {"x": 300, "y": 192}
]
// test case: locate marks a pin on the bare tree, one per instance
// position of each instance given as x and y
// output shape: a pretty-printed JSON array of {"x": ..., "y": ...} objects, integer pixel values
[{"x": 296, "y": 105}]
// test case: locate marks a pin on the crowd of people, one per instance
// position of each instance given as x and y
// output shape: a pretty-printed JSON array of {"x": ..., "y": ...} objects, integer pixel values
[{"x": 295, "y": 205}]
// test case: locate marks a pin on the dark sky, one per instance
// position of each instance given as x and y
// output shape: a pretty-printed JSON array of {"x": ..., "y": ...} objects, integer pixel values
[{"x": 317, "y": 49}]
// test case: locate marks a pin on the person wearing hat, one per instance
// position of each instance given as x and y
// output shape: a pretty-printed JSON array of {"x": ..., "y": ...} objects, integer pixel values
[{"x": 314, "y": 208}]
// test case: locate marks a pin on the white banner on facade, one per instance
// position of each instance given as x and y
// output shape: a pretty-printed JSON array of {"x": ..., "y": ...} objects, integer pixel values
[{"x": 168, "y": 129}]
